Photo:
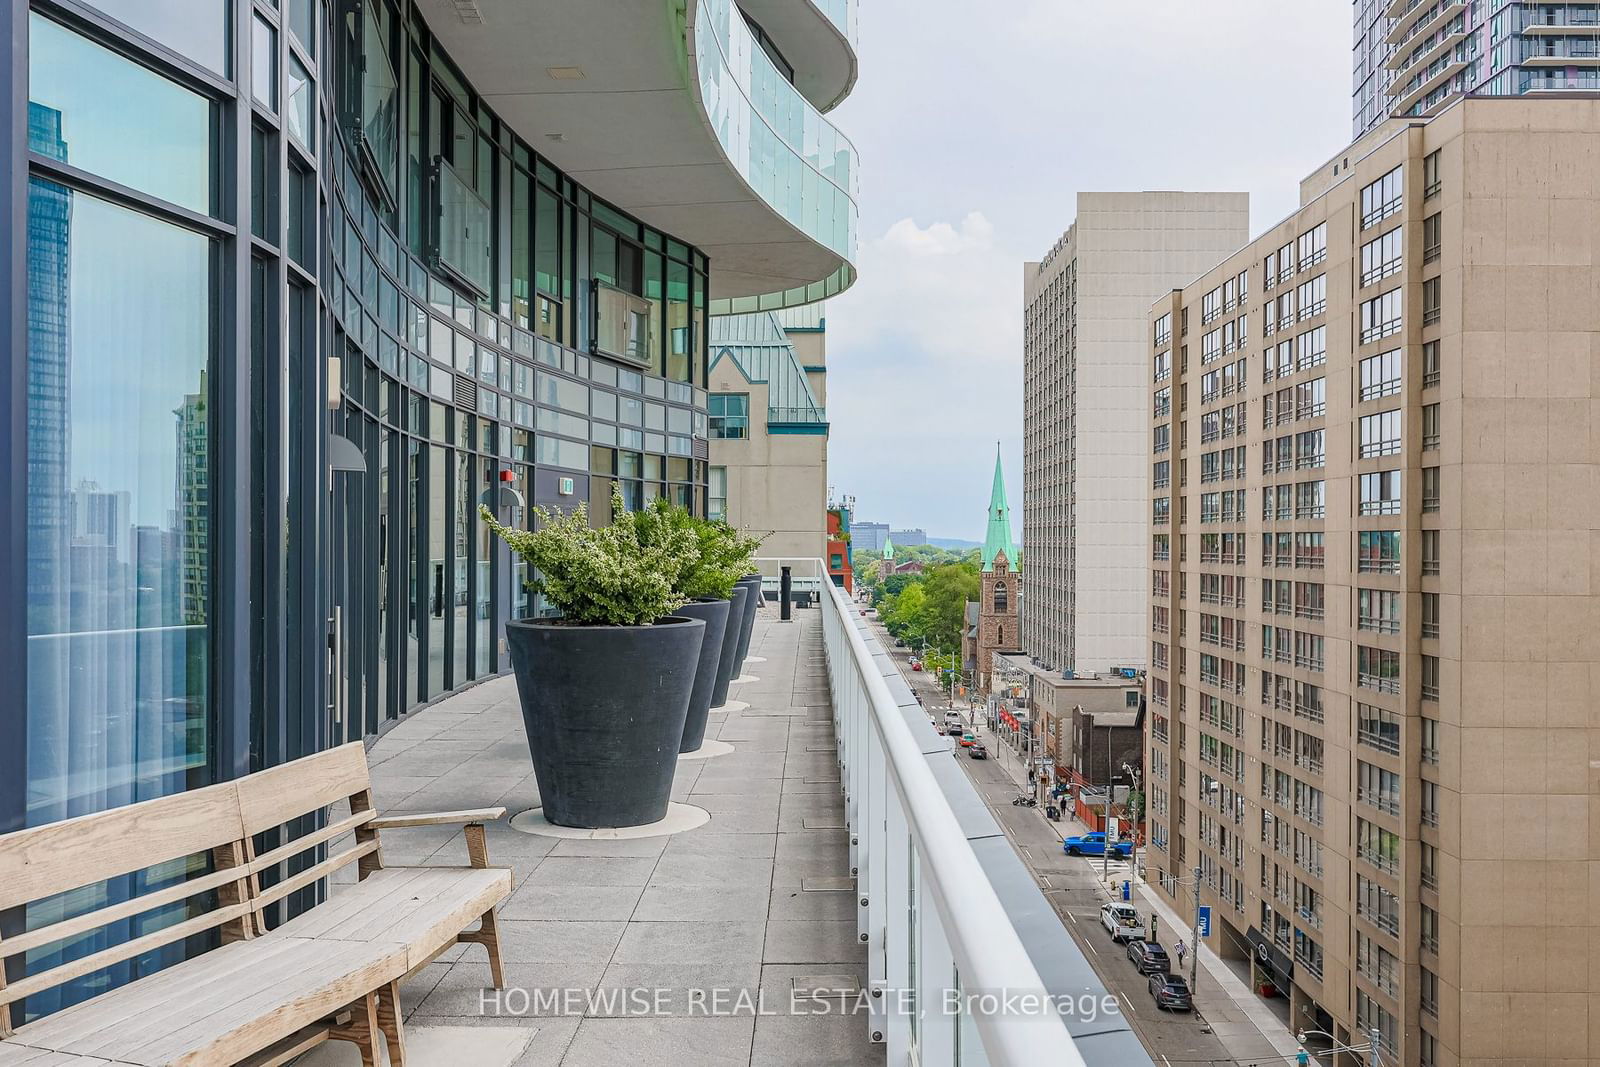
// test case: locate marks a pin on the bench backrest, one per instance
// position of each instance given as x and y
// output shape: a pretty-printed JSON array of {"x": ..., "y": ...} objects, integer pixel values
[{"x": 216, "y": 823}]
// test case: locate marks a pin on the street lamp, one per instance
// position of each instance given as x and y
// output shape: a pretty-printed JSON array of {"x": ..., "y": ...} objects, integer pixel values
[{"x": 1370, "y": 1049}]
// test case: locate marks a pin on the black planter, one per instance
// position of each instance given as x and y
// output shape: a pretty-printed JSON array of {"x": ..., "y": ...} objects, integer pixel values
[
  {"x": 714, "y": 613},
  {"x": 752, "y": 582},
  {"x": 730, "y": 645},
  {"x": 604, "y": 708}
]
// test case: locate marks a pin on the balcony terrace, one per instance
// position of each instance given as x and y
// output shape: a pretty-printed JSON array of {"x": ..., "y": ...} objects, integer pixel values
[{"x": 847, "y": 871}]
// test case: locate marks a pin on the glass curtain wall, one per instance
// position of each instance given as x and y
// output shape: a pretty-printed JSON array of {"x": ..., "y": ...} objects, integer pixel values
[{"x": 222, "y": 202}]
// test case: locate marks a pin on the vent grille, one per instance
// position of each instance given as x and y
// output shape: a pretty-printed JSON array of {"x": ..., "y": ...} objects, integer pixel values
[{"x": 466, "y": 393}]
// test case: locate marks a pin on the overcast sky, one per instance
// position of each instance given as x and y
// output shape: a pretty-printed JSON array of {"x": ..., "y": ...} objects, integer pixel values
[{"x": 977, "y": 123}]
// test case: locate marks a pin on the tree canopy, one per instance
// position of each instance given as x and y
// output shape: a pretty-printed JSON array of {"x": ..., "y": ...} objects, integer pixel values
[{"x": 931, "y": 605}]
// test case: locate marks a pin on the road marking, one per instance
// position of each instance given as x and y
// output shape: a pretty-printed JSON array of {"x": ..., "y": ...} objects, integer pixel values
[
  {"x": 1129, "y": 1003},
  {"x": 1166, "y": 1061},
  {"x": 1073, "y": 917},
  {"x": 1091, "y": 948},
  {"x": 1045, "y": 878}
]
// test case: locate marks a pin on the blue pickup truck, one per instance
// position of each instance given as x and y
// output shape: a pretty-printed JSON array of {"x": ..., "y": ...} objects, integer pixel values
[{"x": 1095, "y": 845}]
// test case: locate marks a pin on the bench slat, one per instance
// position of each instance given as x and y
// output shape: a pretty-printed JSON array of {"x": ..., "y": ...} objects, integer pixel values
[
  {"x": 296, "y": 882},
  {"x": 301, "y": 844},
  {"x": 45, "y": 860},
  {"x": 127, "y": 950},
  {"x": 94, "y": 920},
  {"x": 276, "y": 795},
  {"x": 89, "y": 1026}
]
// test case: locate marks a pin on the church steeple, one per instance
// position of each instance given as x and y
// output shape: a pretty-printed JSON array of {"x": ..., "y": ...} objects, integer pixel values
[{"x": 998, "y": 538}]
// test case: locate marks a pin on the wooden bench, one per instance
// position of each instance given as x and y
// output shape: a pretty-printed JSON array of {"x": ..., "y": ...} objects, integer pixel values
[{"x": 257, "y": 996}]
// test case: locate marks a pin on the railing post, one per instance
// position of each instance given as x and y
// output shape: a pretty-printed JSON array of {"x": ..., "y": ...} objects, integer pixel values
[
  {"x": 871, "y": 890},
  {"x": 896, "y": 941}
]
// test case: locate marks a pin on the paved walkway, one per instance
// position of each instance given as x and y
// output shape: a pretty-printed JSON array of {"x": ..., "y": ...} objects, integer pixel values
[{"x": 681, "y": 950}]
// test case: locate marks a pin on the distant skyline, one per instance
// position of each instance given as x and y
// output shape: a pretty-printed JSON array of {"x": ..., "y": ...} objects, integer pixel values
[{"x": 968, "y": 171}]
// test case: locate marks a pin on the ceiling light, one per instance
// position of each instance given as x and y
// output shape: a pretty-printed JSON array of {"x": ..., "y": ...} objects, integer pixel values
[
  {"x": 556, "y": 137},
  {"x": 565, "y": 74}
]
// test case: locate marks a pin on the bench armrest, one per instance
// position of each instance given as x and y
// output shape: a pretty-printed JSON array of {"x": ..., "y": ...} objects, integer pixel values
[{"x": 437, "y": 818}]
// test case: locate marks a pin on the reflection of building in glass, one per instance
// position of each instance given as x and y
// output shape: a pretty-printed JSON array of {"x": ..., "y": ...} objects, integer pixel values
[
  {"x": 190, "y": 523},
  {"x": 49, "y": 378}
]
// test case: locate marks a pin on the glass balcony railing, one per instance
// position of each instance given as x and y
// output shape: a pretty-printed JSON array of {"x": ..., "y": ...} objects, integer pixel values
[
  {"x": 925, "y": 893},
  {"x": 842, "y": 13},
  {"x": 794, "y": 159}
]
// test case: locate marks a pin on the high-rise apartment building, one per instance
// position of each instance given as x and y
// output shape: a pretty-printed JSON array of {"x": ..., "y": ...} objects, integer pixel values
[
  {"x": 769, "y": 428},
  {"x": 305, "y": 284},
  {"x": 1413, "y": 56},
  {"x": 1373, "y": 657},
  {"x": 1084, "y": 354}
]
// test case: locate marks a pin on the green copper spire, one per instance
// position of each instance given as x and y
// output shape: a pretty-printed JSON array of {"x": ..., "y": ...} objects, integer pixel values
[
  {"x": 998, "y": 538},
  {"x": 888, "y": 546}
]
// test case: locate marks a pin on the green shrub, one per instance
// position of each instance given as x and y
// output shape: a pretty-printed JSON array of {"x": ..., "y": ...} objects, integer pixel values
[
  {"x": 723, "y": 555},
  {"x": 609, "y": 576}
]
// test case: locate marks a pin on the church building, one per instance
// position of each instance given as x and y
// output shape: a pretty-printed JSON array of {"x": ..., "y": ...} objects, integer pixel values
[{"x": 1000, "y": 589}]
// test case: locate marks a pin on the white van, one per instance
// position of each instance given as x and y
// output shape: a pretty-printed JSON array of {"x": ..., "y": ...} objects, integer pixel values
[{"x": 1122, "y": 921}]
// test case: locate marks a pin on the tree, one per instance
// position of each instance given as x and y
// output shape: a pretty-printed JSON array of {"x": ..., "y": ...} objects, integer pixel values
[
  {"x": 902, "y": 614},
  {"x": 948, "y": 589}
]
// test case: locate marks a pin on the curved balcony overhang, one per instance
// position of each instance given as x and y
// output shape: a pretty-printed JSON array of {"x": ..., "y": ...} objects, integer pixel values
[
  {"x": 818, "y": 37},
  {"x": 1423, "y": 18},
  {"x": 1406, "y": 74},
  {"x": 676, "y": 116},
  {"x": 1420, "y": 91}
]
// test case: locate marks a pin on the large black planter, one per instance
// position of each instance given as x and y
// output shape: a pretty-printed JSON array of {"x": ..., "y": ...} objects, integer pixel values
[
  {"x": 751, "y": 582},
  {"x": 714, "y": 613},
  {"x": 730, "y": 645},
  {"x": 604, "y": 708}
]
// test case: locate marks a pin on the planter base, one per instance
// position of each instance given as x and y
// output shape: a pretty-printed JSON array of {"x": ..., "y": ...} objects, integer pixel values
[
  {"x": 680, "y": 817},
  {"x": 755, "y": 659},
  {"x": 707, "y": 750},
  {"x": 735, "y": 705},
  {"x": 743, "y": 678}
]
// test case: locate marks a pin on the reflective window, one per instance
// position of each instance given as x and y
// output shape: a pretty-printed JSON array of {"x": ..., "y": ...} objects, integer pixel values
[
  {"x": 198, "y": 31},
  {"x": 119, "y": 324},
  {"x": 264, "y": 64},
  {"x": 300, "y": 112},
  {"x": 97, "y": 111}
]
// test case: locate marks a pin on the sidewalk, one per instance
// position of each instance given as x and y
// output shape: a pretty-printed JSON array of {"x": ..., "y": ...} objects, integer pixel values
[{"x": 1240, "y": 1018}]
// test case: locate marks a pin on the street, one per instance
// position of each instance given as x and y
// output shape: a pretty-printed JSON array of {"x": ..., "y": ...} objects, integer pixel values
[{"x": 1074, "y": 885}]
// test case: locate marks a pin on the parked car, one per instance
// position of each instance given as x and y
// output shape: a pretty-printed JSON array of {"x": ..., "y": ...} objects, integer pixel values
[
  {"x": 977, "y": 751},
  {"x": 916, "y": 664},
  {"x": 899, "y": 642},
  {"x": 1171, "y": 993},
  {"x": 1148, "y": 957},
  {"x": 1122, "y": 921},
  {"x": 1094, "y": 844}
]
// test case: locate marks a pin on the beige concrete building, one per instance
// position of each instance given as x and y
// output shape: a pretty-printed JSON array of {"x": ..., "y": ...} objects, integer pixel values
[
  {"x": 769, "y": 427},
  {"x": 1085, "y": 581},
  {"x": 1375, "y": 658},
  {"x": 1057, "y": 703}
]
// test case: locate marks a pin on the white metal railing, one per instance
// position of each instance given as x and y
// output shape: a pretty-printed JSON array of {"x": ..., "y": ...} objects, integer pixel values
[{"x": 917, "y": 874}]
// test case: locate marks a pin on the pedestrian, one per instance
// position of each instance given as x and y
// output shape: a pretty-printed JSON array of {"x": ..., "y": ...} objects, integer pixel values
[{"x": 1180, "y": 948}]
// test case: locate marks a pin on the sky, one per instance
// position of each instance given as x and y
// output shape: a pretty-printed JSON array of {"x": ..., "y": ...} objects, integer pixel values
[{"x": 977, "y": 122}]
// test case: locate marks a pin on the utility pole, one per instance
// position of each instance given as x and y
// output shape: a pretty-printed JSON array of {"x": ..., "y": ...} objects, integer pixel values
[
  {"x": 1373, "y": 1035},
  {"x": 1194, "y": 948},
  {"x": 1105, "y": 824},
  {"x": 1133, "y": 818}
]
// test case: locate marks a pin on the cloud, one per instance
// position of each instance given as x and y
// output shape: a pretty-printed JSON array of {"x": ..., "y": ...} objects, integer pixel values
[
  {"x": 977, "y": 126},
  {"x": 946, "y": 294}
]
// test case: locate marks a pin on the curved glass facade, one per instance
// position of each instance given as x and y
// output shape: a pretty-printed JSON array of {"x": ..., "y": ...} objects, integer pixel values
[
  {"x": 792, "y": 156},
  {"x": 297, "y": 302}
]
